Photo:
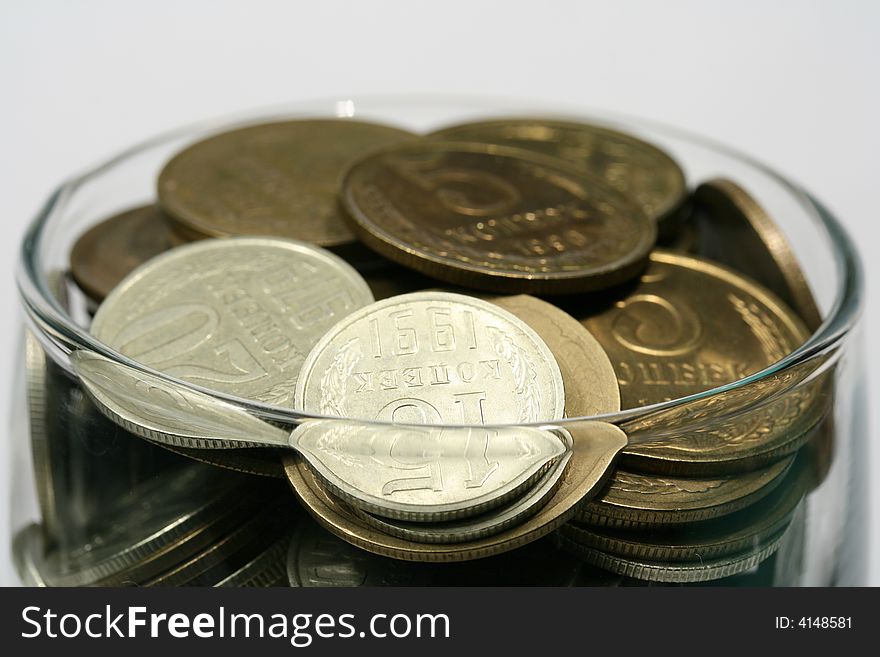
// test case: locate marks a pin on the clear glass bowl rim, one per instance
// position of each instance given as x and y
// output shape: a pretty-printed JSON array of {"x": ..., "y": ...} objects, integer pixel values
[{"x": 59, "y": 334}]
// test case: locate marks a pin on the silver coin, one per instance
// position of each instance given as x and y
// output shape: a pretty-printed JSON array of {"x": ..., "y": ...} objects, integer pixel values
[
  {"x": 48, "y": 451},
  {"x": 28, "y": 548},
  {"x": 425, "y": 473},
  {"x": 164, "y": 412},
  {"x": 318, "y": 558},
  {"x": 44, "y": 457},
  {"x": 676, "y": 572},
  {"x": 706, "y": 540},
  {"x": 153, "y": 527},
  {"x": 236, "y": 315},
  {"x": 401, "y": 472},
  {"x": 269, "y": 568},
  {"x": 487, "y": 524},
  {"x": 231, "y": 548},
  {"x": 432, "y": 358}
]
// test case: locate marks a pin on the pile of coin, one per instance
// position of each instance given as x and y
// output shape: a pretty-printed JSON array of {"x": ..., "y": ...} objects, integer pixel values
[{"x": 416, "y": 324}]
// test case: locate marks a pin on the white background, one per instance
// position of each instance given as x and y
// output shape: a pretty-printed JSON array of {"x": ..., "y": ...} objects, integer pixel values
[{"x": 795, "y": 84}]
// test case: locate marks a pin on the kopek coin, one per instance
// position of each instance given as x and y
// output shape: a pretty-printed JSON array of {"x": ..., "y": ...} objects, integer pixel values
[
  {"x": 690, "y": 325},
  {"x": 232, "y": 550},
  {"x": 317, "y": 558},
  {"x": 736, "y": 231},
  {"x": 274, "y": 179},
  {"x": 492, "y": 521},
  {"x": 739, "y": 430},
  {"x": 687, "y": 326},
  {"x": 426, "y": 474},
  {"x": 108, "y": 252},
  {"x": 268, "y": 568},
  {"x": 639, "y": 501},
  {"x": 595, "y": 445},
  {"x": 587, "y": 374},
  {"x": 237, "y": 315},
  {"x": 154, "y": 526},
  {"x": 678, "y": 572},
  {"x": 47, "y": 459},
  {"x": 709, "y": 539},
  {"x": 496, "y": 218},
  {"x": 28, "y": 553},
  {"x": 630, "y": 165},
  {"x": 432, "y": 358}
]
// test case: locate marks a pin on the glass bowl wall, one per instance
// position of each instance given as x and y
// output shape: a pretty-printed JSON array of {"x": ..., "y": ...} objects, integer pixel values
[{"x": 828, "y": 546}]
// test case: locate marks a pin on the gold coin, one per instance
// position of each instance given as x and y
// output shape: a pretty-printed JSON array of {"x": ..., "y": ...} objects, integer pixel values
[
  {"x": 277, "y": 179},
  {"x": 587, "y": 375},
  {"x": 688, "y": 326},
  {"x": 108, "y": 252},
  {"x": 630, "y": 165},
  {"x": 678, "y": 572},
  {"x": 595, "y": 447},
  {"x": 496, "y": 218},
  {"x": 709, "y": 539},
  {"x": 736, "y": 231},
  {"x": 739, "y": 430},
  {"x": 636, "y": 500}
]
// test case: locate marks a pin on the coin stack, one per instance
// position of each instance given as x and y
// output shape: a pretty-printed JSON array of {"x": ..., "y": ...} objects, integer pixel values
[{"x": 431, "y": 339}]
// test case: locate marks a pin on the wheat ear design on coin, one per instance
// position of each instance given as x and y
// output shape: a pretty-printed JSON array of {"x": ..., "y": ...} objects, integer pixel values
[
  {"x": 774, "y": 344},
  {"x": 334, "y": 380},
  {"x": 523, "y": 374}
]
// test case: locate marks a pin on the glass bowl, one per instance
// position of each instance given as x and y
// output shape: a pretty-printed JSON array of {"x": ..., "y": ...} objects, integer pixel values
[{"x": 84, "y": 468}]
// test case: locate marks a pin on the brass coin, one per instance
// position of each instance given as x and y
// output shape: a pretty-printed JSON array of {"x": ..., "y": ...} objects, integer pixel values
[
  {"x": 276, "y": 179},
  {"x": 317, "y": 558},
  {"x": 495, "y": 218},
  {"x": 740, "y": 430},
  {"x": 595, "y": 447},
  {"x": 640, "y": 501},
  {"x": 710, "y": 539},
  {"x": 688, "y": 326},
  {"x": 108, "y": 252},
  {"x": 587, "y": 375},
  {"x": 630, "y": 165},
  {"x": 677, "y": 572},
  {"x": 736, "y": 231}
]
